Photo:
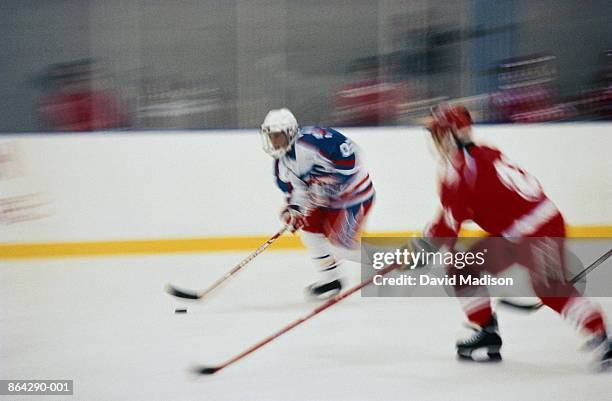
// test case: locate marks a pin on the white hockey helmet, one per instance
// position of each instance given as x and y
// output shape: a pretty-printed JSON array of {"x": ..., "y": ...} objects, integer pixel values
[{"x": 279, "y": 121}]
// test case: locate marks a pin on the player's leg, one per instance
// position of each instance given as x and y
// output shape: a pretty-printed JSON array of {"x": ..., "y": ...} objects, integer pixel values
[
  {"x": 475, "y": 300},
  {"x": 476, "y": 305},
  {"x": 342, "y": 226},
  {"x": 584, "y": 314},
  {"x": 550, "y": 281},
  {"x": 321, "y": 254},
  {"x": 339, "y": 227}
]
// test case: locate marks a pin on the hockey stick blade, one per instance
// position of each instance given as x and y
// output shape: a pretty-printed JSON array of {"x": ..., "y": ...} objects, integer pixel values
[
  {"x": 182, "y": 293},
  {"x": 521, "y": 307},
  {"x": 206, "y": 370},
  {"x": 198, "y": 295}
]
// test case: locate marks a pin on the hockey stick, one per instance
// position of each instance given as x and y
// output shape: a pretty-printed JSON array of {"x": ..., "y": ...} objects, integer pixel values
[
  {"x": 578, "y": 277},
  {"x": 199, "y": 294},
  {"x": 209, "y": 370}
]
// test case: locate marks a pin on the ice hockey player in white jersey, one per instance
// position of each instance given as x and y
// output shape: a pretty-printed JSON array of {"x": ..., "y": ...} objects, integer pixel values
[{"x": 328, "y": 191}]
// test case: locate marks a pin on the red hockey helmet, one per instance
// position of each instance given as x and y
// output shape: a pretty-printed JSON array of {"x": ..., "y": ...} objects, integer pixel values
[
  {"x": 450, "y": 127},
  {"x": 455, "y": 118}
]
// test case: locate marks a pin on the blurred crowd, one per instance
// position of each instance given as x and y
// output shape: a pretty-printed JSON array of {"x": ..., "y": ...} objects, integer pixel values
[
  {"x": 79, "y": 96},
  {"x": 74, "y": 98},
  {"x": 132, "y": 65},
  {"x": 527, "y": 92}
]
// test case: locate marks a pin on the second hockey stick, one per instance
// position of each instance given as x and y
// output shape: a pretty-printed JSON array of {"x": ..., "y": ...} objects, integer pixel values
[
  {"x": 199, "y": 294},
  {"x": 577, "y": 278},
  {"x": 209, "y": 370}
]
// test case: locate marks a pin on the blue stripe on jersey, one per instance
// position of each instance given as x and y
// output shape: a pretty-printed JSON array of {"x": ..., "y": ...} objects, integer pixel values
[{"x": 286, "y": 187}]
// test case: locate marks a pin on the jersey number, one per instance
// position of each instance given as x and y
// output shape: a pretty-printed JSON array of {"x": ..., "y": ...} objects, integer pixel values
[
  {"x": 346, "y": 148},
  {"x": 519, "y": 181}
]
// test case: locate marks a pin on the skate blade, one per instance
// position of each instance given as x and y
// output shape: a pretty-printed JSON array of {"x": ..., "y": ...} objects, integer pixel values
[
  {"x": 320, "y": 297},
  {"x": 480, "y": 355},
  {"x": 603, "y": 366}
]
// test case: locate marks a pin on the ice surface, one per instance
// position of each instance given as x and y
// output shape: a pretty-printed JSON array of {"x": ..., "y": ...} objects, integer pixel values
[{"x": 107, "y": 324}]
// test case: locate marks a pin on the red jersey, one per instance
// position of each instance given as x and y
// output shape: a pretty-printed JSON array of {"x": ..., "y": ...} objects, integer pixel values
[{"x": 483, "y": 186}]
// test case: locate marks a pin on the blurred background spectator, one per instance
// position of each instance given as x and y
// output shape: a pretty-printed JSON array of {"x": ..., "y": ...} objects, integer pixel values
[
  {"x": 595, "y": 102},
  {"x": 73, "y": 99},
  {"x": 527, "y": 91},
  {"x": 222, "y": 64},
  {"x": 372, "y": 98}
]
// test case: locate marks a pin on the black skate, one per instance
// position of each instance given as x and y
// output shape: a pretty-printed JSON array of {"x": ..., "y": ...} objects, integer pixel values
[
  {"x": 321, "y": 290},
  {"x": 486, "y": 339}
]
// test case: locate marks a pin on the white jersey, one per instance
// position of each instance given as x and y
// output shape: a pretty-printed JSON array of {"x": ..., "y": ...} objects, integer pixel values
[{"x": 323, "y": 169}]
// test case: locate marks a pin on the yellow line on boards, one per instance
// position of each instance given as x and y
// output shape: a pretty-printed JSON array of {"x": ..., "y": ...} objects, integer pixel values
[{"x": 209, "y": 244}]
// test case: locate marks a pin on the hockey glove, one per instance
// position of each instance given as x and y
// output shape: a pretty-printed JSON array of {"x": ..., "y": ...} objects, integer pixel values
[{"x": 293, "y": 217}]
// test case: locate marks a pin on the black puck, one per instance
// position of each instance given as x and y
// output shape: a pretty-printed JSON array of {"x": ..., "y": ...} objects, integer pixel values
[{"x": 180, "y": 310}]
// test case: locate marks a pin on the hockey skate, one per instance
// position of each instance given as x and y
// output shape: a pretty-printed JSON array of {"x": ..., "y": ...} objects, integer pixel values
[
  {"x": 324, "y": 290},
  {"x": 485, "y": 338},
  {"x": 605, "y": 362},
  {"x": 603, "y": 348}
]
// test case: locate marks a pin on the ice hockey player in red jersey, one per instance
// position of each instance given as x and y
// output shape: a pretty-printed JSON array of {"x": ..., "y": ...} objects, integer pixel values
[{"x": 480, "y": 184}]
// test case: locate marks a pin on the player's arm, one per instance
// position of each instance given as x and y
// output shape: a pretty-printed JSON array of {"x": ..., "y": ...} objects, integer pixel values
[
  {"x": 293, "y": 213},
  {"x": 441, "y": 233},
  {"x": 444, "y": 228},
  {"x": 298, "y": 205},
  {"x": 445, "y": 224},
  {"x": 281, "y": 182}
]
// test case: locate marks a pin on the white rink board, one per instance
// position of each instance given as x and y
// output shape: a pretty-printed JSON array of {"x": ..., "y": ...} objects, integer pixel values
[{"x": 113, "y": 186}]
